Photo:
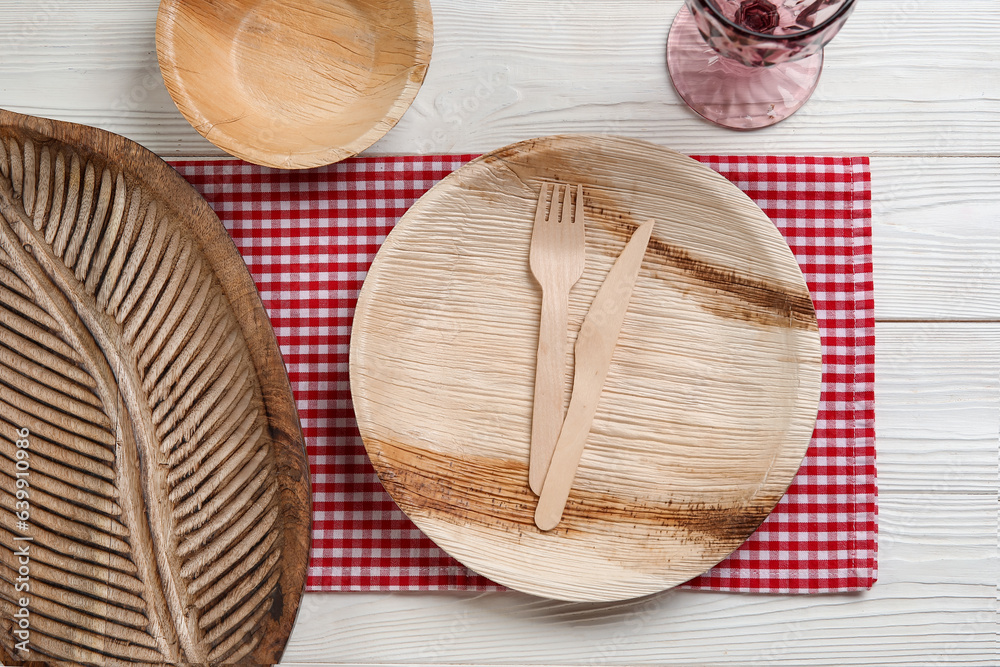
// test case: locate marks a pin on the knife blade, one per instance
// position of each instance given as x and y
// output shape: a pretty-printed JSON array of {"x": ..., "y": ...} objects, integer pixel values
[{"x": 595, "y": 345}]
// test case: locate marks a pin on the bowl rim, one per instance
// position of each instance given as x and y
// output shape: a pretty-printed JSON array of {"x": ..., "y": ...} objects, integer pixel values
[{"x": 173, "y": 77}]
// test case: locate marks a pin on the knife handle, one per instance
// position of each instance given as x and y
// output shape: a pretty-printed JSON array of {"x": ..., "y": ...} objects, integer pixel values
[{"x": 566, "y": 457}]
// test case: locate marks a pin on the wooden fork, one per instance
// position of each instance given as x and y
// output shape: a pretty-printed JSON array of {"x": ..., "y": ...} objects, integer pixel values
[{"x": 557, "y": 259}]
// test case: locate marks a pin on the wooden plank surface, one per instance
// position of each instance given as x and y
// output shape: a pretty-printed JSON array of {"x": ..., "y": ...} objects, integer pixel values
[
  {"x": 935, "y": 601},
  {"x": 937, "y": 408},
  {"x": 895, "y": 81},
  {"x": 938, "y": 398},
  {"x": 936, "y": 236},
  {"x": 908, "y": 80}
]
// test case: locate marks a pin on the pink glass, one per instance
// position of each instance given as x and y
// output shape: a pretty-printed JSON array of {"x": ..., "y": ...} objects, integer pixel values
[{"x": 746, "y": 64}]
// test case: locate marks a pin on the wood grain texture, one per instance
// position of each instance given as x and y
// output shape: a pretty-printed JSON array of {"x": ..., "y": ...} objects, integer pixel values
[
  {"x": 938, "y": 416},
  {"x": 679, "y": 467},
  {"x": 935, "y": 603},
  {"x": 936, "y": 246},
  {"x": 938, "y": 398},
  {"x": 293, "y": 83},
  {"x": 894, "y": 82},
  {"x": 167, "y": 482},
  {"x": 916, "y": 80}
]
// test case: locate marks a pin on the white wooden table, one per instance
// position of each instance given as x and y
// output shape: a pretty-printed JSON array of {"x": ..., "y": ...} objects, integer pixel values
[{"x": 913, "y": 83}]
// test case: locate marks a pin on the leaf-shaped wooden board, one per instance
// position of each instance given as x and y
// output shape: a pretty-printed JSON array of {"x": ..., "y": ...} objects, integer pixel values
[
  {"x": 147, "y": 426},
  {"x": 710, "y": 399}
]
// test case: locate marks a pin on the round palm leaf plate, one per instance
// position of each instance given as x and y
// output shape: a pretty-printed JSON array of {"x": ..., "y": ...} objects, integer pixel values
[{"x": 708, "y": 407}]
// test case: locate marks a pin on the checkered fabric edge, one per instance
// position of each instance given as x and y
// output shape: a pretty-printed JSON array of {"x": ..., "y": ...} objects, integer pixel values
[
  {"x": 821, "y": 537},
  {"x": 308, "y": 238}
]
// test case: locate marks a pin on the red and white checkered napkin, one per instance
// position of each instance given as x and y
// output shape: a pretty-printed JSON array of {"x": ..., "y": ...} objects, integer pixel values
[{"x": 308, "y": 238}]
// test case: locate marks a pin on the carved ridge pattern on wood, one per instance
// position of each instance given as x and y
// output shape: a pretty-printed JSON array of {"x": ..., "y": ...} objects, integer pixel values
[{"x": 154, "y": 490}]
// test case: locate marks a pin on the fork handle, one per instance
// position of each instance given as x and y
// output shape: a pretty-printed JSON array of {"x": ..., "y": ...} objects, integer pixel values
[{"x": 550, "y": 378}]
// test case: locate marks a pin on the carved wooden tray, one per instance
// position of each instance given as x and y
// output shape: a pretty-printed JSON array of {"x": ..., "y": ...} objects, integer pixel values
[
  {"x": 147, "y": 426},
  {"x": 708, "y": 407}
]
